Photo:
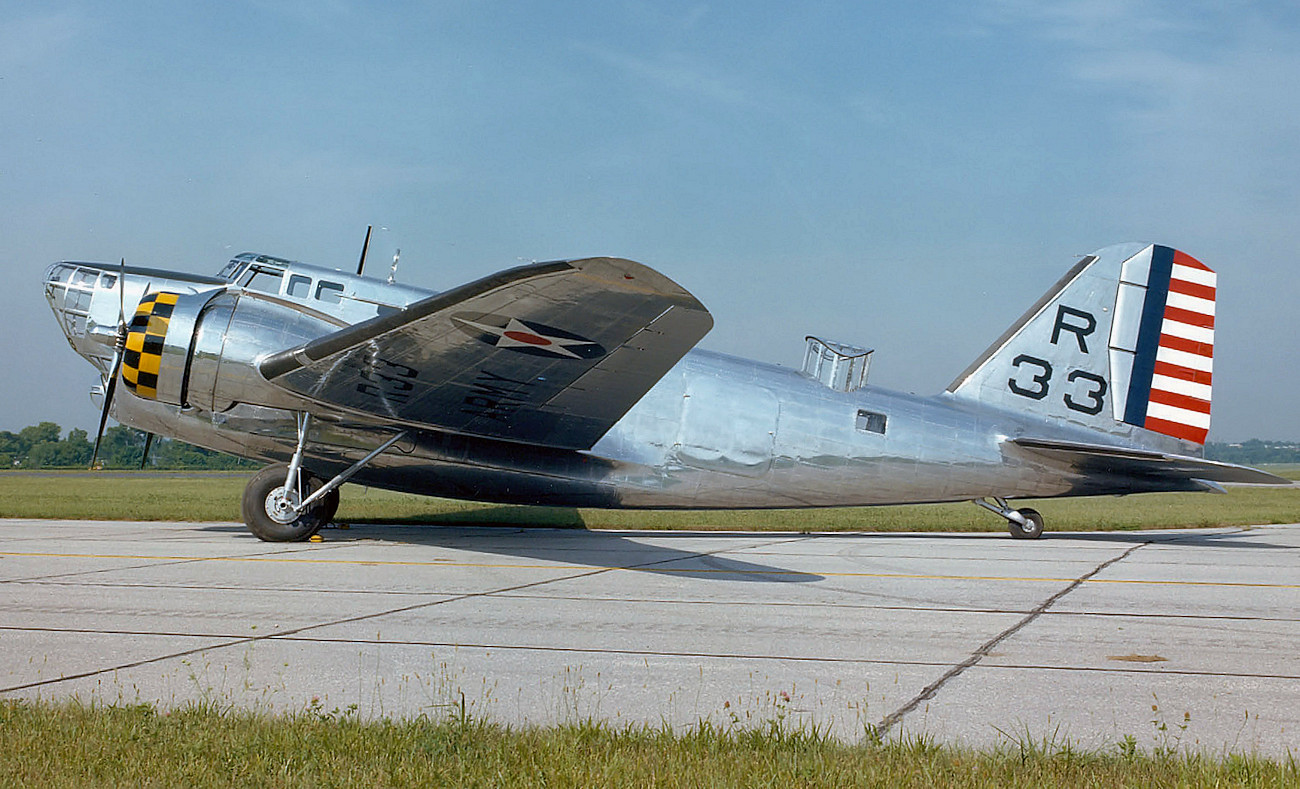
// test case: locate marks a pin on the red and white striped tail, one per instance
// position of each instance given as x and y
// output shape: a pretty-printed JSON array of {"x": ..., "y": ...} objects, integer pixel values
[{"x": 1176, "y": 346}]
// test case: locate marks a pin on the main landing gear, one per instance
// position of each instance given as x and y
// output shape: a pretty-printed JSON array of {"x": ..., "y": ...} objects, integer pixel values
[
  {"x": 288, "y": 503},
  {"x": 1025, "y": 523},
  {"x": 272, "y": 506}
]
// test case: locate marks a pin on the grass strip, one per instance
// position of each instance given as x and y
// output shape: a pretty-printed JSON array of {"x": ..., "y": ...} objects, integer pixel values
[
  {"x": 72, "y": 744},
  {"x": 212, "y": 496}
]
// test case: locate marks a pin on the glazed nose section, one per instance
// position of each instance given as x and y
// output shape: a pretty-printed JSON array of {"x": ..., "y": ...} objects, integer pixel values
[
  {"x": 79, "y": 295},
  {"x": 69, "y": 294}
]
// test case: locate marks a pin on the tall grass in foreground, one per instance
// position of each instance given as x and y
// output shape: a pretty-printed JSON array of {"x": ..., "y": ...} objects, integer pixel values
[
  {"x": 75, "y": 745},
  {"x": 216, "y": 496}
]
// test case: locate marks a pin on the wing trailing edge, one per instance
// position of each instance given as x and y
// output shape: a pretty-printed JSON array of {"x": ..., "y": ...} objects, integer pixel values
[{"x": 1100, "y": 458}]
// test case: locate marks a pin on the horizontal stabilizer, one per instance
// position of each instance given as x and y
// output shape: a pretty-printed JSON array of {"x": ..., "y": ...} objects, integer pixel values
[{"x": 1099, "y": 458}]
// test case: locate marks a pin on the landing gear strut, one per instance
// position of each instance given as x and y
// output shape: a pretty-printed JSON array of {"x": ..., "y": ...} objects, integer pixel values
[
  {"x": 287, "y": 503},
  {"x": 269, "y": 505},
  {"x": 1025, "y": 523}
]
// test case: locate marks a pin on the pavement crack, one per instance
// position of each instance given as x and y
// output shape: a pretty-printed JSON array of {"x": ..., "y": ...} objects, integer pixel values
[
  {"x": 297, "y": 631},
  {"x": 929, "y": 691}
]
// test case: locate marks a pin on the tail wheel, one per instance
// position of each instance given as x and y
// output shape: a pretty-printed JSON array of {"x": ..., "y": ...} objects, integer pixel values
[
  {"x": 1032, "y": 528},
  {"x": 267, "y": 506}
]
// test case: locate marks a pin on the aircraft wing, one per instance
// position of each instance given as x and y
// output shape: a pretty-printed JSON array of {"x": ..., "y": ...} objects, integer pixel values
[
  {"x": 1146, "y": 463},
  {"x": 549, "y": 353}
]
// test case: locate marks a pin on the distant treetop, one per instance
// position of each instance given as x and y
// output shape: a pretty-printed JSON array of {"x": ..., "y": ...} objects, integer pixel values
[{"x": 40, "y": 446}]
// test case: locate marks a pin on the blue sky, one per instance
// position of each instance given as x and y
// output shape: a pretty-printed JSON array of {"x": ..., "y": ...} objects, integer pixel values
[{"x": 908, "y": 177}]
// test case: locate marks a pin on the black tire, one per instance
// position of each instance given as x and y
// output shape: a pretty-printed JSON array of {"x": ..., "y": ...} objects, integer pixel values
[
  {"x": 1031, "y": 530},
  {"x": 328, "y": 506},
  {"x": 262, "y": 525}
]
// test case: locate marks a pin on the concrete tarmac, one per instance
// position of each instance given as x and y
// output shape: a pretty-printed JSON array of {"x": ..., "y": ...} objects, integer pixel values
[{"x": 1178, "y": 639}]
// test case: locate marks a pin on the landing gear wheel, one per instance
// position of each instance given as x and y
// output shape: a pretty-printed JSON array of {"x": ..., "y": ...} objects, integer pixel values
[
  {"x": 268, "y": 508},
  {"x": 1033, "y": 527}
]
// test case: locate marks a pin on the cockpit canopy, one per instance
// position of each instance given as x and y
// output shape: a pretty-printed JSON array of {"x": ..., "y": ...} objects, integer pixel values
[{"x": 347, "y": 296}]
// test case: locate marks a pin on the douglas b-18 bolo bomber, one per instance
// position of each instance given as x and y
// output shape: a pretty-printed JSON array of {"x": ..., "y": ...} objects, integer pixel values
[{"x": 574, "y": 383}]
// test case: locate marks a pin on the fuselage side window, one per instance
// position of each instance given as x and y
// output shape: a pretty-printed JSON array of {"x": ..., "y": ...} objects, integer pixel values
[
  {"x": 329, "y": 292},
  {"x": 299, "y": 286},
  {"x": 871, "y": 422}
]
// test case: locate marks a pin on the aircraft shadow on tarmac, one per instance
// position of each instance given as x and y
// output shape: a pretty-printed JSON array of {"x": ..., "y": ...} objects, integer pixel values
[
  {"x": 563, "y": 538},
  {"x": 1245, "y": 538}
]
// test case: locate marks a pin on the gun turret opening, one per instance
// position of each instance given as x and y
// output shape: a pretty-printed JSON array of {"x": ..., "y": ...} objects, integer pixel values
[{"x": 836, "y": 365}]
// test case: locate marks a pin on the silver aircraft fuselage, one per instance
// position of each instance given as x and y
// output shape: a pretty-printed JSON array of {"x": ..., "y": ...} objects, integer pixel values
[{"x": 714, "y": 432}]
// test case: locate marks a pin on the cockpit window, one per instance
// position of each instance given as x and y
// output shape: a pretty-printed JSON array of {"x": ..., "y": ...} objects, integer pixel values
[
  {"x": 265, "y": 280},
  {"x": 85, "y": 277},
  {"x": 233, "y": 270},
  {"x": 329, "y": 292}
]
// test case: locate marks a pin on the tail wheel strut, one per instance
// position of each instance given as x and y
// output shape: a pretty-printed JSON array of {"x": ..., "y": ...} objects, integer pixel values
[{"x": 1025, "y": 523}]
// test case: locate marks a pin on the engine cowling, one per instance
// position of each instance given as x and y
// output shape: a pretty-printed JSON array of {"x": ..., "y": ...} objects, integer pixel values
[
  {"x": 155, "y": 363},
  {"x": 200, "y": 349}
]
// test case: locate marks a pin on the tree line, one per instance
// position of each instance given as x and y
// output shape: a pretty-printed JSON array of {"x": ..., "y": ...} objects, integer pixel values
[
  {"x": 1254, "y": 452},
  {"x": 45, "y": 446}
]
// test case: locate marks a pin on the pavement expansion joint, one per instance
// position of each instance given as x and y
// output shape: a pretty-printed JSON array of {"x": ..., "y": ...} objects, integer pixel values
[
  {"x": 964, "y": 639},
  {"x": 928, "y": 692},
  {"x": 240, "y": 641}
]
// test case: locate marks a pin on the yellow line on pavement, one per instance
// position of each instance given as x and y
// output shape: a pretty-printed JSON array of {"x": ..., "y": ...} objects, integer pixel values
[{"x": 656, "y": 568}]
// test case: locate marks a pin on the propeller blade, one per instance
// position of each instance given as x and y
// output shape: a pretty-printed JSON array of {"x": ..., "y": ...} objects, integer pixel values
[
  {"x": 109, "y": 389},
  {"x": 148, "y": 442},
  {"x": 119, "y": 348}
]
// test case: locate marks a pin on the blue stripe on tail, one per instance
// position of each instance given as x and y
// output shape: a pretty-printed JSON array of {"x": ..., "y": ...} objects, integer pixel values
[{"x": 1153, "y": 316}]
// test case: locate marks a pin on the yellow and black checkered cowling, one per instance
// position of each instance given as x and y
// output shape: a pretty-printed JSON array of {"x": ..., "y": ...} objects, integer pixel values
[{"x": 142, "y": 359}]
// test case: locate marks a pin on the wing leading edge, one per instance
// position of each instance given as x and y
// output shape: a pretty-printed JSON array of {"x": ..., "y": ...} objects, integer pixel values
[{"x": 550, "y": 353}]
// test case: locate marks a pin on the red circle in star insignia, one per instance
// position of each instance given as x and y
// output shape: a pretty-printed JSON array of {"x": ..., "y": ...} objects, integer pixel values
[{"x": 531, "y": 339}]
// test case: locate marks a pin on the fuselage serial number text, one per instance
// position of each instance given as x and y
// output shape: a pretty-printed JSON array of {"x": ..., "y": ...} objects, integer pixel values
[{"x": 1034, "y": 377}]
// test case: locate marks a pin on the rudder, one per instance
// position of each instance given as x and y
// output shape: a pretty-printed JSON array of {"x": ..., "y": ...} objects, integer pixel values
[{"x": 1169, "y": 353}]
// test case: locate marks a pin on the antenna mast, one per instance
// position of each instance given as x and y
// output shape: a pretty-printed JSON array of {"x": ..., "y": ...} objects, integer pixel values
[{"x": 361, "y": 264}]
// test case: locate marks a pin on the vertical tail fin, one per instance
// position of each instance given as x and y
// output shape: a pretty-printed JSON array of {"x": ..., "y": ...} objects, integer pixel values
[{"x": 1124, "y": 343}]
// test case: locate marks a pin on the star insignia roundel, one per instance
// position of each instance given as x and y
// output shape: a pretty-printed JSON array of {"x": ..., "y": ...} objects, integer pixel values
[{"x": 534, "y": 339}]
